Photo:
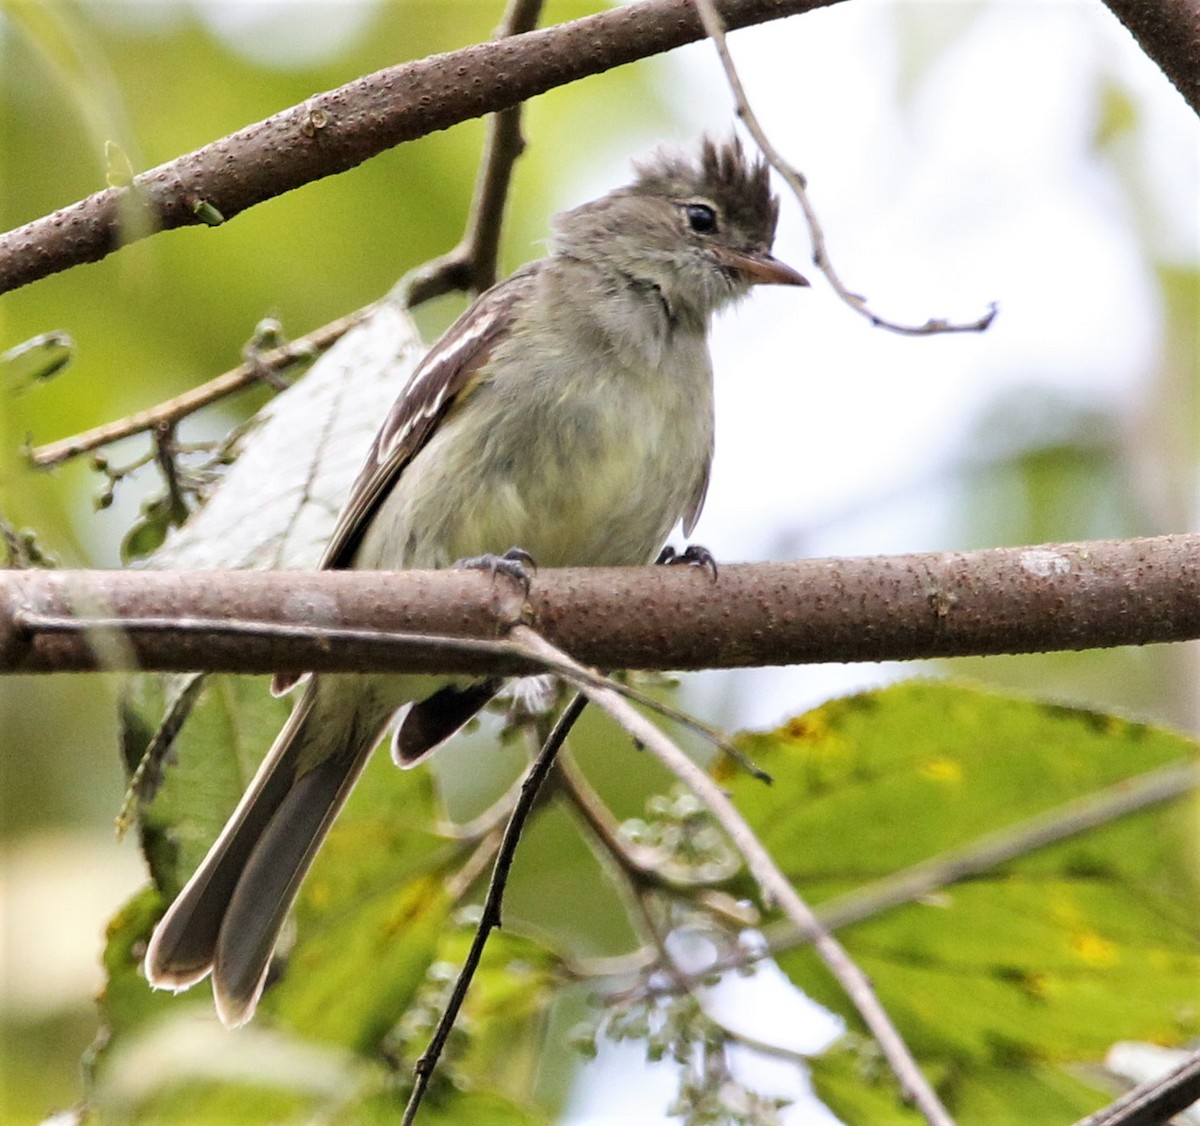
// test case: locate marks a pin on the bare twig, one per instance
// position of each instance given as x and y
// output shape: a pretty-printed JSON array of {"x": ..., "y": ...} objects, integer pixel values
[
  {"x": 989, "y": 852},
  {"x": 774, "y": 885},
  {"x": 244, "y": 375},
  {"x": 491, "y": 916},
  {"x": 1155, "y": 1101},
  {"x": 1005, "y": 600},
  {"x": 714, "y": 27},
  {"x": 471, "y": 265}
]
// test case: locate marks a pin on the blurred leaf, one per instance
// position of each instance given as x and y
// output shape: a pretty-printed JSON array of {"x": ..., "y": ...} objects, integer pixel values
[
  {"x": 1118, "y": 115},
  {"x": 1047, "y": 960},
  {"x": 118, "y": 169},
  {"x": 148, "y": 534},
  {"x": 858, "y": 1085},
  {"x": 1045, "y": 468},
  {"x": 35, "y": 361}
]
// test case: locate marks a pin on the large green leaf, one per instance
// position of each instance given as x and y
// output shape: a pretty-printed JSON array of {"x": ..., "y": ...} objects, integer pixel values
[{"x": 1046, "y": 960}]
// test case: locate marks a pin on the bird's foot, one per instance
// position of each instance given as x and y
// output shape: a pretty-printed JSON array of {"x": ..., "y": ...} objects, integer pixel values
[
  {"x": 516, "y": 563},
  {"x": 694, "y": 555}
]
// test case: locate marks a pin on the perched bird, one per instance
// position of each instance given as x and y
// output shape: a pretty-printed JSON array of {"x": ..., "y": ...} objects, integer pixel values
[{"x": 568, "y": 411}]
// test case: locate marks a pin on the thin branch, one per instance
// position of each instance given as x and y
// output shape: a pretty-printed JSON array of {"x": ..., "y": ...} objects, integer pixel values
[
  {"x": 471, "y": 265},
  {"x": 774, "y": 885},
  {"x": 1006, "y": 600},
  {"x": 641, "y": 865},
  {"x": 245, "y": 375},
  {"x": 337, "y": 130},
  {"x": 714, "y": 27},
  {"x": 1131, "y": 795},
  {"x": 1155, "y": 1101},
  {"x": 989, "y": 852},
  {"x": 491, "y": 916}
]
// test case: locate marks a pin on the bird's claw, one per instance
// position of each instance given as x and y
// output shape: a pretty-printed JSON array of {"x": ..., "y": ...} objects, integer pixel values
[
  {"x": 516, "y": 563},
  {"x": 694, "y": 555}
]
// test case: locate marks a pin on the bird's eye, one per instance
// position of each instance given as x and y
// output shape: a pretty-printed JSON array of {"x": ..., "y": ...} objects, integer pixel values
[{"x": 701, "y": 218}]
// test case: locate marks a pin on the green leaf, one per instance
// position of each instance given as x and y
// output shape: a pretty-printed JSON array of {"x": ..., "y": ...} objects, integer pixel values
[
  {"x": 232, "y": 722},
  {"x": 1118, "y": 116},
  {"x": 35, "y": 361},
  {"x": 1046, "y": 960},
  {"x": 118, "y": 169}
]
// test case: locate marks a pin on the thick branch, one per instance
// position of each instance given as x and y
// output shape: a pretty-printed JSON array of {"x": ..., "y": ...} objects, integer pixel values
[
  {"x": 339, "y": 129},
  {"x": 1169, "y": 32},
  {"x": 1009, "y": 600}
]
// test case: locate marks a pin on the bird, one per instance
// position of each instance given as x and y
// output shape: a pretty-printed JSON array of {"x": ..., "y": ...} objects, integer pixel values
[{"x": 565, "y": 418}]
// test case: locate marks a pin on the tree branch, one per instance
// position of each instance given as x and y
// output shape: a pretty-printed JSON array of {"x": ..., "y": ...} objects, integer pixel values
[
  {"x": 339, "y": 129},
  {"x": 887, "y": 608},
  {"x": 1155, "y": 1101},
  {"x": 247, "y": 373},
  {"x": 1007, "y": 600},
  {"x": 471, "y": 265},
  {"x": 1169, "y": 33}
]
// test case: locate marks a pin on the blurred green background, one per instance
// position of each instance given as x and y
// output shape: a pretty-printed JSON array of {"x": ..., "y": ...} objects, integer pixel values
[{"x": 160, "y": 79}]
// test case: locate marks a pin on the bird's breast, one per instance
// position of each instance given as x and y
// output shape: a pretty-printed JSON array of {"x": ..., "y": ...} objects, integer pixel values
[{"x": 580, "y": 463}]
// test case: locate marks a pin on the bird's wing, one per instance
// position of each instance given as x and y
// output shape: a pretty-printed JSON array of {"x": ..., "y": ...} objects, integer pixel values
[
  {"x": 449, "y": 369},
  {"x": 696, "y": 501}
]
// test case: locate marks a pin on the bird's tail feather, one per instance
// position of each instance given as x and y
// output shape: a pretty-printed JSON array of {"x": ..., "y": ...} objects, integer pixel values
[{"x": 228, "y": 916}]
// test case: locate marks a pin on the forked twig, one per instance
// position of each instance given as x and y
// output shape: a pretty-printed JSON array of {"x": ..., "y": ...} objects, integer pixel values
[
  {"x": 471, "y": 265},
  {"x": 535, "y": 776},
  {"x": 775, "y": 886},
  {"x": 714, "y": 27}
]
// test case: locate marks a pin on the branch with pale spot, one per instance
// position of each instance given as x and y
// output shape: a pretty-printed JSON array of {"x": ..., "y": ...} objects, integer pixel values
[{"x": 949, "y": 604}]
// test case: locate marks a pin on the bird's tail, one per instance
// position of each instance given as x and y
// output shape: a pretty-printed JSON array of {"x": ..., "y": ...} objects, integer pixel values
[{"x": 228, "y": 916}]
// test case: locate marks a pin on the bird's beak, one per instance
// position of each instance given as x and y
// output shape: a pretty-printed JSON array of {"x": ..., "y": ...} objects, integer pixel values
[{"x": 758, "y": 267}]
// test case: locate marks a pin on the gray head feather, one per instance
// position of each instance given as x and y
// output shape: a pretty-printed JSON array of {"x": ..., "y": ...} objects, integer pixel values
[{"x": 740, "y": 187}]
